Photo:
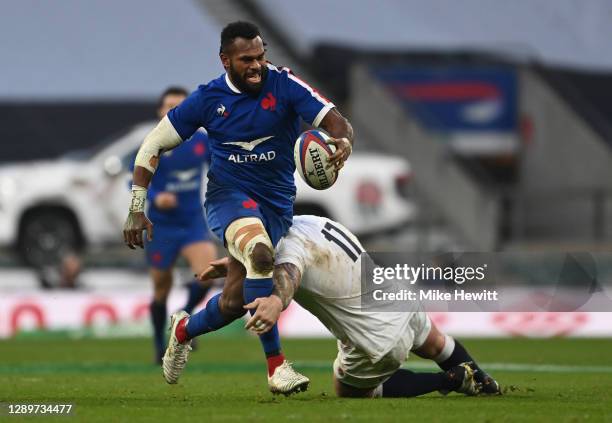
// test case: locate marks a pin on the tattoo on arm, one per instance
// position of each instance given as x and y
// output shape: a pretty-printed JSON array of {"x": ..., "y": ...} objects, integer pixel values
[{"x": 286, "y": 282}]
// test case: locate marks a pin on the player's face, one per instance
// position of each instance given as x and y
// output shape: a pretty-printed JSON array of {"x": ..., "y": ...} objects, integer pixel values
[
  {"x": 246, "y": 64},
  {"x": 168, "y": 103}
]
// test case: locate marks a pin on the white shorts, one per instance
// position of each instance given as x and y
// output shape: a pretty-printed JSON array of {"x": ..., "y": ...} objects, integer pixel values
[{"x": 353, "y": 367}]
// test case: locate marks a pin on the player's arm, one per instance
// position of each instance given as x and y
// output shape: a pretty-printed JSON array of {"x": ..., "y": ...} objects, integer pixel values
[
  {"x": 179, "y": 124},
  {"x": 216, "y": 269},
  {"x": 322, "y": 113},
  {"x": 287, "y": 279},
  {"x": 163, "y": 137},
  {"x": 341, "y": 131}
]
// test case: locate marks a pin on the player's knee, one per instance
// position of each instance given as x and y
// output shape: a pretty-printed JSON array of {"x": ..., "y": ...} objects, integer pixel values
[
  {"x": 249, "y": 243},
  {"x": 346, "y": 391},
  {"x": 262, "y": 258},
  {"x": 434, "y": 346},
  {"x": 432, "y": 350}
]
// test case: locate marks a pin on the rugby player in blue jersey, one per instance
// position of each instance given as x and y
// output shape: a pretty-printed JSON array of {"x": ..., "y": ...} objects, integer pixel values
[
  {"x": 252, "y": 115},
  {"x": 175, "y": 208}
]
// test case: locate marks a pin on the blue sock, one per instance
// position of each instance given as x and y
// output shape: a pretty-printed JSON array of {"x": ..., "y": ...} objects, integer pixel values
[
  {"x": 158, "y": 318},
  {"x": 257, "y": 288},
  {"x": 208, "y": 319},
  {"x": 197, "y": 292}
]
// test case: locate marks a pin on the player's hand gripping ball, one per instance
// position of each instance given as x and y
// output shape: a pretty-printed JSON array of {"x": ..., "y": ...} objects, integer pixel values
[{"x": 311, "y": 154}]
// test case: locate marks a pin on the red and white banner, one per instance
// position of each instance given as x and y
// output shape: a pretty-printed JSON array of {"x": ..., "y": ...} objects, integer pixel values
[{"x": 57, "y": 310}]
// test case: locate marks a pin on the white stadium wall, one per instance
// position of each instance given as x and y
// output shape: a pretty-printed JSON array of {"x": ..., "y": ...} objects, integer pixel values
[{"x": 127, "y": 313}]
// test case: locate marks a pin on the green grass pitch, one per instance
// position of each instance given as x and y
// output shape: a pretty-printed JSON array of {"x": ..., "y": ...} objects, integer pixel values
[{"x": 560, "y": 380}]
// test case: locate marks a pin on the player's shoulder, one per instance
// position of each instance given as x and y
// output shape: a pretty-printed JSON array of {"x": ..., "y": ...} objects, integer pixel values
[
  {"x": 317, "y": 228},
  {"x": 297, "y": 245},
  {"x": 281, "y": 73},
  {"x": 309, "y": 224},
  {"x": 287, "y": 79},
  {"x": 308, "y": 220},
  {"x": 216, "y": 85},
  {"x": 278, "y": 70}
]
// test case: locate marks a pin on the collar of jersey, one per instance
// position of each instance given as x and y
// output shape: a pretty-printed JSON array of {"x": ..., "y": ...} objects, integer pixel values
[{"x": 231, "y": 85}]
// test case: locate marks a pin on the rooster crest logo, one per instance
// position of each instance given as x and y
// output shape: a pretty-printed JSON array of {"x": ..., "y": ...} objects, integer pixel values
[{"x": 221, "y": 110}]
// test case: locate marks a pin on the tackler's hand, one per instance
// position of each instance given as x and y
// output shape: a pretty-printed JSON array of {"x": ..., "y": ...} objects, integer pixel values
[
  {"x": 267, "y": 312},
  {"x": 216, "y": 269}
]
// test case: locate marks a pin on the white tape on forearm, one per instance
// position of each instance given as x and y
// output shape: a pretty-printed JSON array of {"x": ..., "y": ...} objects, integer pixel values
[
  {"x": 139, "y": 198},
  {"x": 162, "y": 137}
]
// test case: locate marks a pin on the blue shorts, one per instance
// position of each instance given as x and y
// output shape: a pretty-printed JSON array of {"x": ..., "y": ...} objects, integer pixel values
[
  {"x": 224, "y": 205},
  {"x": 170, "y": 239}
]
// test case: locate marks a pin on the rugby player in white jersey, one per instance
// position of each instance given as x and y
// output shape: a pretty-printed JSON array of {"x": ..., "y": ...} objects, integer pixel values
[{"x": 318, "y": 263}]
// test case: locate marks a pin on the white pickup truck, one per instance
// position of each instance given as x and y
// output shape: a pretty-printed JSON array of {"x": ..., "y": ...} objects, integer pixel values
[{"x": 81, "y": 199}]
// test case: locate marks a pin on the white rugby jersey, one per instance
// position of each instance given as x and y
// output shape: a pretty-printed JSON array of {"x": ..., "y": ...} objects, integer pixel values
[{"x": 329, "y": 258}]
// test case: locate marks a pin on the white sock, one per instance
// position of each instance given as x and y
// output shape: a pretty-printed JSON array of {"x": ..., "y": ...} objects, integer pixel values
[
  {"x": 378, "y": 392},
  {"x": 447, "y": 350}
]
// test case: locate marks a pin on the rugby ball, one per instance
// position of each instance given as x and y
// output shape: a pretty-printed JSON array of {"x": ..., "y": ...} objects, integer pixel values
[{"x": 311, "y": 154}]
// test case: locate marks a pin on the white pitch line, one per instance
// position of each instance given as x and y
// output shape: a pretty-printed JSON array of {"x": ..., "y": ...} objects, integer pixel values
[
  {"x": 505, "y": 367},
  {"x": 523, "y": 367}
]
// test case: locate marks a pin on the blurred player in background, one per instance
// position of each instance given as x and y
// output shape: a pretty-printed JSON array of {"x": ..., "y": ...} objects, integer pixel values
[
  {"x": 64, "y": 273},
  {"x": 252, "y": 114},
  {"x": 175, "y": 208},
  {"x": 319, "y": 264}
]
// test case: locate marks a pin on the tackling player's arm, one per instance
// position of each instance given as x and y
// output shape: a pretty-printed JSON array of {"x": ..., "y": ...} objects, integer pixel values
[
  {"x": 341, "y": 131},
  {"x": 162, "y": 137},
  {"x": 287, "y": 279}
]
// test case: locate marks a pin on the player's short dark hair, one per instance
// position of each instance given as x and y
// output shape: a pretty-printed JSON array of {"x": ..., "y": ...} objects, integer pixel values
[
  {"x": 238, "y": 29},
  {"x": 173, "y": 90}
]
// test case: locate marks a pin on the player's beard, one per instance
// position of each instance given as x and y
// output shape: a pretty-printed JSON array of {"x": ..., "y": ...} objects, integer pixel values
[{"x": 245, "y": 86}]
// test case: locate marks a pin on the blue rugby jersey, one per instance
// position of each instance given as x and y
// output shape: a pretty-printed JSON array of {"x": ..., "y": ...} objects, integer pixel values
[
  {"x": 252, "y": 137},
  {"x": 180, "y": 172}
]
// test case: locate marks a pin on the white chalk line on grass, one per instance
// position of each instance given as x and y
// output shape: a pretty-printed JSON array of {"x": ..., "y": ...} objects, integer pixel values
[
  {"x": 314, "y": 365},
  {"x": 505, "y": 367},
  {"x": 526, "y": 367}
]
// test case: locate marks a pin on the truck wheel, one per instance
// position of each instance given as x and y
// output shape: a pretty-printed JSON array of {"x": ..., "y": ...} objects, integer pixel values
[{"x": 46, "y": 235}]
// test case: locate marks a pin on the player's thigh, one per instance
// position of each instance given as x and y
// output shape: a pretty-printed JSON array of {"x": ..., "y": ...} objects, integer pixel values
[
  {"x": 226, "y": 205},
  {"x": 357, "y": 375},
  {"x": 199, "y": 255},
  {"x": 161, "y": 253},
  {"x": 196, "y": 244}
]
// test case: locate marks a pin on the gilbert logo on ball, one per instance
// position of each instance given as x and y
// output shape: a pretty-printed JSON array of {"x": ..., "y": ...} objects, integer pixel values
[{"x": 311, "y": 154}]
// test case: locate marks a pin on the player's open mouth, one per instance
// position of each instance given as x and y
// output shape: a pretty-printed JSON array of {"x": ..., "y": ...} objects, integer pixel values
[{"x": 254, "y": 79}]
